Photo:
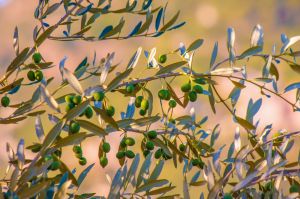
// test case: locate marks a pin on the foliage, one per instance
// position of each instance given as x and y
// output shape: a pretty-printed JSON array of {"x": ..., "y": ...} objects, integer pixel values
[{"x": 256, "y": 168}]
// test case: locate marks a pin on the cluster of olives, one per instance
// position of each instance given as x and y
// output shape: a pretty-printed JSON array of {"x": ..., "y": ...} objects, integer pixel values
[
  {"x": 78, "y": 153},
  {"x": 105, "y": 149},
  {"x": 55, "y": 165},
  {"x": 149, "y": 144},
  {"x": 36, "y": 75},
  {"x": 123, "y": 149},
  {"x": 5, "y": 101},
  {"x": 198, "y": 162},
  {"x": 193, "y": 90},
  {"x": 142, "y": 103}
]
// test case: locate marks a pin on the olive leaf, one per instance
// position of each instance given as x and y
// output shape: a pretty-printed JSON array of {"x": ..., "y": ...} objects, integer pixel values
[
  {"x": 48, "y": 98},
  {"x": 72, "y": 80}
]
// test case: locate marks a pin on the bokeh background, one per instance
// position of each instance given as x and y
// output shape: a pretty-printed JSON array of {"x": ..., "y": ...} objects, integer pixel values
[{"x": 207, "y": 19}]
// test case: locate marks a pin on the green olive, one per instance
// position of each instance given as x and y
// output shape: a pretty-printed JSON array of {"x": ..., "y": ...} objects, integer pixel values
[
  {"x": 103, "y": 162},
  {"x": 38, "y": 75},
  {"x": 82, "y": 161},
  {"x": 162, "y": 58},
  {"x": 74, "y": 127},
  {"x": 192, "y": 96},
  {"x": 69, "y": 99},
  {"x": 158, "y": 154},
  {"x": 120, "y": 154},
  {"x": 195, "y": 162},
  {"x": 143, "y": 112},
  {"x": 98, "y": 96},
  {"x": 55, "y": 165},
  {"x": 150, "y": 145},
  {"x": 138, "y": 101},
  {"x": 152, "y": 134},
  {"x": 129, "y": 141},
  {"x": 5, "y": 101},
  {"x": 69, "y": 107},
  {"x": 37, "y": 57},
  {"x": 186, "y": 87},
  {"x": 129, "y": 88},
  {"x": 198, "y": 89},
  {"x": 146, "y": 152},
  {"x": 106, "y": 147},
  {"x": 31, "y": 75},
  {"x": 77, "y": 99},
  {"x": 200, "y": 81},
  {"x": 172, "y": 103},
  {"x": 182, "y": 147},
  {"x": 145, "y": 104},
  {"x": 110, "y": 111},
  {"x": 227, "y": 196},
  {"x": 129, "y": 154},
  {"x": 88, "y": 112}
]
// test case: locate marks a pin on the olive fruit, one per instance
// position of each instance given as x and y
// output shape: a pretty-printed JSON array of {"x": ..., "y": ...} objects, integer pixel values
[
  {"x": 98, "y": 96},
  {"x": 138, "y": 101},
  {"x": 5, "y": 101},
  {"x": 36, "y": 148},
  {"x": 192, "y": 96},
  {"x": 145, "y": 104},
  {"x": 172, "y": 103},
  {"x": 31, "y": 75},
  {"x": 162, "y": 58},
  {"x": 162, "y": 94},
  {"x": 69, "y": 107},
  {"x": 152, "y": 134},
  {"x": 103, "y": 161},
  {"x": 38, "y": 75},
  {"x": 198, "y": 89},
  {"x": 143, "y": 112},
  {"x": 186, "y": 87},
  {"x": 195, "y": 162},
  {"x": 69, "y": 98},
  {"x": 74, "y": 127},
  {"x": 158, "y": 153},
  {"x": 88, "y": 112},
  {"x": 294, "y": 188},
  {"x": 110, "y": 111},
  {"x": 82, "y": 161},
  {"x": 122, "y": 143},
  {"x": 129, "y": 154},
  {"x": 129, "y": 141},
  {"x": 106, "y": 147},
  {"x": 77, "y": 149},
  {"x": 37, "y": 57},
  {"x": 182, "y": 147},
  {"x": 77, "y": 99},
  {"x": 55, "y": 165},
  {"x": 150, "y": 145},
  {"x": 120, "y": 154},
  {"x": 129, "y": 88}
]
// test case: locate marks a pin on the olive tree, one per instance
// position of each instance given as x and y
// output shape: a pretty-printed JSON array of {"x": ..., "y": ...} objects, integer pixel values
[{"x": 256, "y": 168}]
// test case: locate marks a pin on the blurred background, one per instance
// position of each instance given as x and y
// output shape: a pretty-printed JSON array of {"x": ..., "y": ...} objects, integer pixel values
[{"x": 205, "y": 19}]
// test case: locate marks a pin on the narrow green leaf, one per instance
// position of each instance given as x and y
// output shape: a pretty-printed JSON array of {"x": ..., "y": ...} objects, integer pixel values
[
  {"x": 92, "y": 127},
  {"x": 171, "y": 67},
  {"x": 196, "y": 44}
]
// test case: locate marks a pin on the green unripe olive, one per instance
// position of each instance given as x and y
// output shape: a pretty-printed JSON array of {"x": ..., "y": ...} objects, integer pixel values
[
  {"x": 5, "y": 101},
  {"x": 77, "y": 99},
  {"x": 77, "y": 149},
  {"x": 138, "y": 101},
  {"x": 172, "y": 103},
  {"x": 36, "y": 148},
  {"x": 38, "y": 75},
  {"x": 55, "y": 165},
  {"x": 31, "y": 75},
  {"x": 145, "y": 104},
  {"x": 103, "y": 162},
  {"x": 162, "y": 58},
  {"x": 37, "y": 58},
  {"x": 201, "y": 164},
  {"x": 106, "y": 147},
  {"x": 182, "y": 147},
  {"x": 227, "y": 196},
  {"x": 200, "y": 81},
  {"x": 98, "y": 96},
  {"x": 129, "y": 154},
  {"x": 88, "y": 112},
  {"x": 123, "y": 143},
  {"x": 186, "y": 87},
  {"x": 110, "y": 111},
  {"x": 168, "y": 95},
  {"x": 69, "y": 107},
  {"x": 294, "y": 188},
  {"x": 82, "y": 161},
  {"x": 48, "y": 157},
  {"x": 150, "y": 145},
  {"x": 158, "y": 154},
  {"x": 146, "y": 152},
  {"x": 198, "y": 89},
  {"x": 195, "y": 162},
  {"x": 74, "y": 127},
  {"x": 192, "y": 96},
  {"x": 69, "y": 99},
  {"x": 162, "y": 94},
  {"x": 129, "y": 141},
  {"x": 143, "y": 112},
  {"x": 152, "y": 134},
  {"x": 129, "y": 88},
  {"x": 166, "y": 156},
  {"x": 120, "y": 154}
]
